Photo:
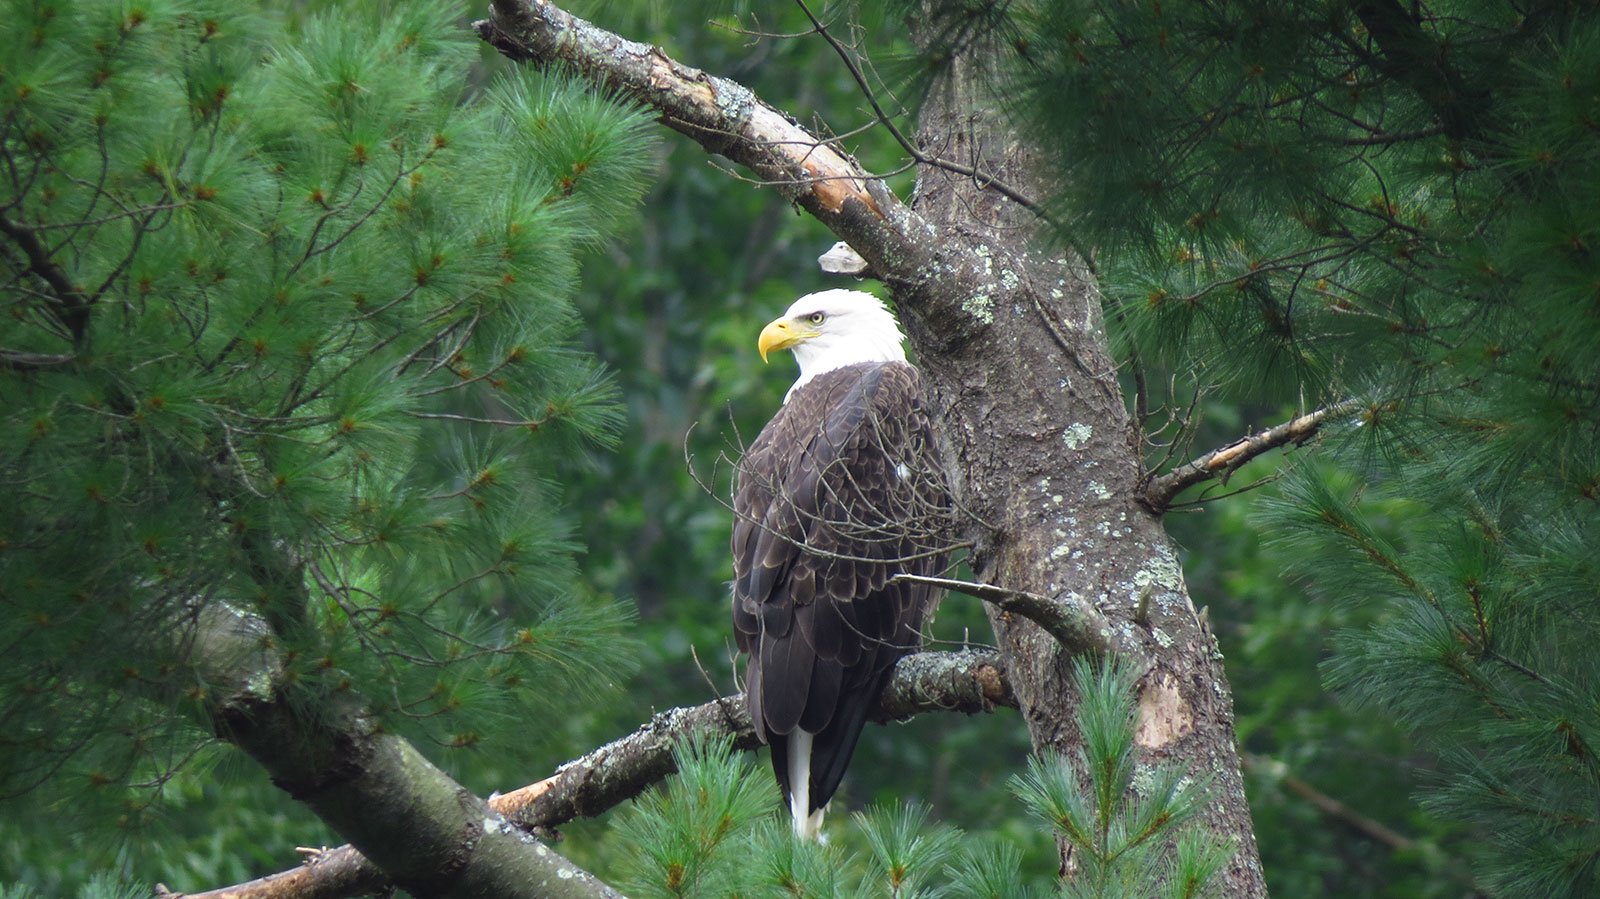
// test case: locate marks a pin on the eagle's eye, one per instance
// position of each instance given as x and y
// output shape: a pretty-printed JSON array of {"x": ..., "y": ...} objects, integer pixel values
[{"x": 815, "y": 318}]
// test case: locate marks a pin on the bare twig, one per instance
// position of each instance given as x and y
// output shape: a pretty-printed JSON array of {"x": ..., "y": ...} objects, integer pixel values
[
  {"x": 1368, "y": 827},
  {"x": 1223, "y": 462},
  {"x": 22, "y": 361},
  {"x": 968, "y": 682},
  {"x": 1077, "y": 626},
  {"x": 984, "y": 180}
]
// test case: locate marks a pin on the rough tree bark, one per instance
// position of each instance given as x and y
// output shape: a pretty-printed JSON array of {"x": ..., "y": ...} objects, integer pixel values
[
  {"x": 1049, "y": 464},
  {"x": 1011, "y": 341},
  {"x": 428, "y": 833}
]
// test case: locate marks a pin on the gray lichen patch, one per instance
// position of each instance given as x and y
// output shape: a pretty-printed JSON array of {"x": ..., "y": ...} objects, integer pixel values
[
  {"x": 1162, "y": 570},
  {"x": 734, "y": 100},
  {"x": 1076, "y": 435},
  {"x": 980, "y": 306}
]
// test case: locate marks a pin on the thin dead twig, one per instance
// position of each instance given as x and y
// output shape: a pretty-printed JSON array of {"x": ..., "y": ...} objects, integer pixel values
[{"x": 1221, "y": 463}]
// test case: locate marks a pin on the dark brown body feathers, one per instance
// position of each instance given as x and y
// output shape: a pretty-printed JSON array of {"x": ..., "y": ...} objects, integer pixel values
[{"x": 840, "y": 492}]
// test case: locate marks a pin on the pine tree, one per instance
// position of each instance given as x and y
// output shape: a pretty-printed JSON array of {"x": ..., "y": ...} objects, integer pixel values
[
  {"x": 287, "y": 361},
  {"x": 1380, "y": 209},
  {"x": 1390, "y": 209}
]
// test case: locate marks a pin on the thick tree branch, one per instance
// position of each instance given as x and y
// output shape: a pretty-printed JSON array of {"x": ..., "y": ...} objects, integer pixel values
[
  {"x": 72, "y": 304},
  {"x": 1224, "y": 462},
  {"x": 1013, "y": 350},
  {"x": 932, "y": 278},
  {"x": 969, "y": 682},
  {"x": 427, "y": 833},
  {"x": 1077, "y": 625},
  {"x": 1413, "y": 58}
]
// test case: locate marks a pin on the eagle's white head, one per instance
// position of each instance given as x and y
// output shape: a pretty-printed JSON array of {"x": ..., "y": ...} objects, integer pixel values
[{"x": 831, "y": 329}]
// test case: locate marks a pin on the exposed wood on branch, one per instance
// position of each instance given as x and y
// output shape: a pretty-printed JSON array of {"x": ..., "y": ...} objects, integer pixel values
[
  {"x": 930, "y": 277},
  {"x": 1010, "y": 340},
  {"x": 1224, "y": 462},
  {"x": 969, "y": 682}
]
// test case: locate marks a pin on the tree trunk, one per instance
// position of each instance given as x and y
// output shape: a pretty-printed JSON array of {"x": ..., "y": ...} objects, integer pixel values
[{"x": 1049, "y": 468}]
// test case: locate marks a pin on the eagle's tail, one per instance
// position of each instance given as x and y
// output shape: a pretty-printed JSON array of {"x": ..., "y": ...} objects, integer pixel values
[
  {"x": 810, "y": 766},
  {"x": 807, "y": 823}
]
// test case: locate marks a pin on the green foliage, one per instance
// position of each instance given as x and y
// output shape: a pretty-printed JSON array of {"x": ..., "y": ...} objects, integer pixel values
[
  {"x": 101, "y": 887},
  {"x": 673, "y": 309},
  {"x": 1117, "y": 815},
  {"x": 1279, "y": 215},
  {"x": 694, "y": 838},
  {"x": 1482, "y": 649},
  {"x": 288, "y": 329},
  {"x": 1291, "y": 733},
  {"x": 906, "y": 850},
  {"x": 991, "y": 871}
]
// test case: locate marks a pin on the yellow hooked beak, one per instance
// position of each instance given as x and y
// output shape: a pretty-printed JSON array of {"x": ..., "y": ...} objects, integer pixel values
[{"x": 782, "y": 334}]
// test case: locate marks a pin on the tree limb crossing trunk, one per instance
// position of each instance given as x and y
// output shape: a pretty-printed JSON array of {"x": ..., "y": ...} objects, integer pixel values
[{"x": 969, "y": 682}]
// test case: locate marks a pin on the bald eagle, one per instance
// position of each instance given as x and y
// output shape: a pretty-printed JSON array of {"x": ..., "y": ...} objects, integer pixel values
[{"x": 839, "y": 493}]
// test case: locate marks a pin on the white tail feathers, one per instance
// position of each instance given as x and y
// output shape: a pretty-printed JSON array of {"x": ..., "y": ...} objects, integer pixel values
[{"x": 807, "y": 824}]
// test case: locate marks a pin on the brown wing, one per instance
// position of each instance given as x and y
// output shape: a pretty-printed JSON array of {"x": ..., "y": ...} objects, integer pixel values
[{"x": 839, "y": 493}]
